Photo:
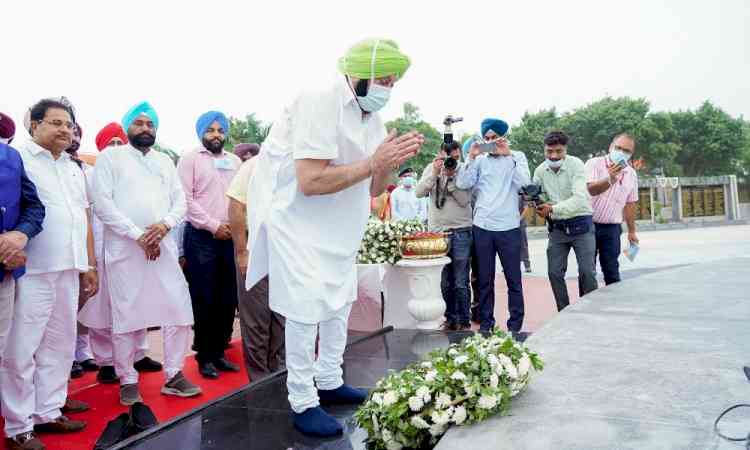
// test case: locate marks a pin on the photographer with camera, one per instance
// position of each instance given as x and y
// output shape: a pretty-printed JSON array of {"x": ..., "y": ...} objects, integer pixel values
[
  {"x": 567, "y": 209},
  {"x": 496, "y": 177},
  {"x": 450, "y": 212}
]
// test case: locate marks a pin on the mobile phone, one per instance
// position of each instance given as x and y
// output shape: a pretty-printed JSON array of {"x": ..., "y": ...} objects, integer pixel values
[{"x": 487, "y": 147}]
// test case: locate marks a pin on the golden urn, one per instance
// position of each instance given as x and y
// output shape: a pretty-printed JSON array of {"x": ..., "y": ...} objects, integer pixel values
[{"x": 423, "y": 245}]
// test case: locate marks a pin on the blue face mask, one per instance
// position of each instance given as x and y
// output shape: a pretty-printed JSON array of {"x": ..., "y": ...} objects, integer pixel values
[
  {"x": 619, "y": 157},
  {"x": 407, "y": 181},
  {"x": 376, "y": 98}
]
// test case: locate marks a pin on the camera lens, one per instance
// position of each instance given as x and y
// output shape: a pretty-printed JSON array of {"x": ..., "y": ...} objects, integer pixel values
[{"x": 450, "y": 163}]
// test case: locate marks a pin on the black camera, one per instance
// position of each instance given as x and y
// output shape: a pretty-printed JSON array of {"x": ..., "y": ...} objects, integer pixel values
[
  {"x": 450, "y": 163},
  {"x": 532, "y": 193}
]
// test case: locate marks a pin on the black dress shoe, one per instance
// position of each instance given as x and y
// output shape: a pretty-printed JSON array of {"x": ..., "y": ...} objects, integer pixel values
[
  {"x": 76, "y": 371},
  {"x": 208, "y": 370},
  {"x": 89, "y": 365},
  {"x": 147, "y": 365},
  {"x": 107, "y": 375},
  {"x": 224, "y": 365},
  {"x": 520, "y": 336}
]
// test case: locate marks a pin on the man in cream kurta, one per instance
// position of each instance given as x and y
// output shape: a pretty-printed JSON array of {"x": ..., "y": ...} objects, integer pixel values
[
  {"x": 322, "y": 161},
  {"x": 139, "y": 199}
]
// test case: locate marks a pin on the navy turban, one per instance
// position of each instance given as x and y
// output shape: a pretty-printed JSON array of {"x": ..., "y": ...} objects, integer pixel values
[
  {"x": 206, "y": 119},
  {"x": 500, "y": 127}
]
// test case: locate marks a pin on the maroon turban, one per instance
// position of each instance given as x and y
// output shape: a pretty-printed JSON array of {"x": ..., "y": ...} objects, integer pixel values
[
  {"x": 111, "y": 130},
  {"x": 7, "y": 127},
  {"x": 246, "y": 151}
]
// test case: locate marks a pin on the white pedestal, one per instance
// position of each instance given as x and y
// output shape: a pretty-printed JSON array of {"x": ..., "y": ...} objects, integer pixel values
[{"x": 413, "y": 296}]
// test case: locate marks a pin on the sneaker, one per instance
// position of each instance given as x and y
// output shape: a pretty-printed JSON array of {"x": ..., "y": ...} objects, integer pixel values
[
  {"x": 89, "y": 365},
  {"x": 181, "y": 387},
  {"x": 129, "y": 394},
  {"x": 60, "y": 425},
  {"x": 76, "y": 371},
  {"x": 73, "y": 406},
  {"x": 147, "y": 365},
  {"x": 107, "y": 375},
  {"x": 24, "y": 441},
  {"x": 520, "y": 336}
]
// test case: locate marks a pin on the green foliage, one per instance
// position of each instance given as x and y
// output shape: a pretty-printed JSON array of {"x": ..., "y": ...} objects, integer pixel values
[
  {"x": 711, "y": 141},
  {"x": 412, "y": 120},
  {"x": 246, "y": 131},
  {"x": 686, "y": 143},
  {"x": 169, "y": 152}
]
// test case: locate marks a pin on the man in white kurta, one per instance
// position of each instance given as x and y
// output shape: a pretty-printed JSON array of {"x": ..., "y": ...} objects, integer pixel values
[
  {"x": 139, "y": 199},
  {"x": 405, "y": 205},
  {"x": 96, "y": 313},
  {"x": 322, "y": 161},
  {"x": 40, "y": 346}
]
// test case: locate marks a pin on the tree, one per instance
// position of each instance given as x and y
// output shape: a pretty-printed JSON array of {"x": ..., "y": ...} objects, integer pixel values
[
  {"x": 711, "y": 141},
  {"x": 528, "y": 136},
  {"x": 169, "y": 152},
  {"x": 247, "y": 130},
  {"x": 412, "y": 120}
]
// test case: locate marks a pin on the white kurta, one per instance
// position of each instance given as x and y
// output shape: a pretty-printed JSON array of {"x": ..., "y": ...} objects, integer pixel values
[
  {"x": 96, "y": 312},
  {"x": 308, "y": 245},
  {"x": 132, "y": 191}
]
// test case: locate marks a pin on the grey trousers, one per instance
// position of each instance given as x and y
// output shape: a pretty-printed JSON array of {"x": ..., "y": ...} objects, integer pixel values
[
  {"x": 262, "y": 331},
  {"x": 558, "y": 248}
]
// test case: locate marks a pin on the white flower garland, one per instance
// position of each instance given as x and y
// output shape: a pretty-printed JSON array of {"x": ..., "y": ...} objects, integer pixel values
[
  {"x": 463, "y": 384},
  {"x": 380, "y": 242}
]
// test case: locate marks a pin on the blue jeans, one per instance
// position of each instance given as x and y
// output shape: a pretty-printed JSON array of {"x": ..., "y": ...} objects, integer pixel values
[
  {"x": 506, "y": 245},
  {"x": 455, "y": 280},
  {"x": 608, "y": 247}
]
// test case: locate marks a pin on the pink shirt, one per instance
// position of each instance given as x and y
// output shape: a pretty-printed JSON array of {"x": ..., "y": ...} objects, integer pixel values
[
  {"x": 205, "y": 178},
  {"x": 609, "y": 204}
]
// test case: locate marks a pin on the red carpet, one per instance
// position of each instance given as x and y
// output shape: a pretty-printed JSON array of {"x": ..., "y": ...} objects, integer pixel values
[{"x": 105, "y": 404}]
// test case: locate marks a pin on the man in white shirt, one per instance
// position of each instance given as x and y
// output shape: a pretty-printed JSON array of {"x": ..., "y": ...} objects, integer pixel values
[
  {"x": 41, "y": 342},
  {"x": 96, "y": 313},
  {"x": 139, "y": 199},
  {"x": 323, "y": 160},
  {"x": 405, "y": 205}
]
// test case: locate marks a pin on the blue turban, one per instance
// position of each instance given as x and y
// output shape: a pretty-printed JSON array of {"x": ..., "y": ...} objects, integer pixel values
[
  {"x": 500, "y": 127},
  {"x": 467, "y": 145},
  {"x": 142, "y": 108},
  {"x": 206, "y": 119}
]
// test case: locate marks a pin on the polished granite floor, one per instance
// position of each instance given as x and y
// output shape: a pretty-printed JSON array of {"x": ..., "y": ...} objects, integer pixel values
[{"x": 258, "y": 417}]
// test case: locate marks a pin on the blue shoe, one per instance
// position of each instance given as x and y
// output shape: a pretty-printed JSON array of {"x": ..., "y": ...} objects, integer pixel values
[
  {"x": 343, "y": 395},
  {"x": 316, "y": 422}
]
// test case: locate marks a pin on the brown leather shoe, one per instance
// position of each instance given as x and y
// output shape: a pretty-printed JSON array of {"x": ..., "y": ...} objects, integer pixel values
[
  {"x": 73, "y": 406},
  {"x": 24, "y": 441},
  {"x": 60, "y": 425}
]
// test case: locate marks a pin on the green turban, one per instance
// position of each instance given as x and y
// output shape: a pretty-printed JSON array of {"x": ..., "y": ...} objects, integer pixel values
[{"x": 374, "y": 58}]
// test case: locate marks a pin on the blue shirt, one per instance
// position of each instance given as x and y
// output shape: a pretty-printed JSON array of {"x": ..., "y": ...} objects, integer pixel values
[
  {"x": 20, "y": 207},
  {"x": 495, "y": 182}
]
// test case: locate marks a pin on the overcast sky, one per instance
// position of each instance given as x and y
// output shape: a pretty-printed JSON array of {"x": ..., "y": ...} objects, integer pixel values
[{"x": 469, "y": 58}]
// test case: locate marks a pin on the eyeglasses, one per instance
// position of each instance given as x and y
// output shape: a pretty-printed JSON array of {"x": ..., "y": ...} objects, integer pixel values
[{"x": 59, "y": 124}]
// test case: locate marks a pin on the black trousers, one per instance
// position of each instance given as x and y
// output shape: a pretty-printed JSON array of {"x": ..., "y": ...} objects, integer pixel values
[{"x": 210, "y": 272}]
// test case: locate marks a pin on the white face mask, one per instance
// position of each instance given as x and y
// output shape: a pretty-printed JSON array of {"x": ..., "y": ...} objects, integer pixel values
[
  {"x": 554, "y": 164},
  {"x": 377, "y": 96}
]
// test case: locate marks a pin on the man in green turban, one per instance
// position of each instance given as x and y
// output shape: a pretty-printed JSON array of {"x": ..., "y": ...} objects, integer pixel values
[{"x": 310, "y": 190}]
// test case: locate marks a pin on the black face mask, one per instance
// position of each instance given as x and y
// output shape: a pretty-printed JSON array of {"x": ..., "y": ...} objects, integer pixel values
[
  {"x": 143, "y": 140},
  {"x": 214, "y": 145}
]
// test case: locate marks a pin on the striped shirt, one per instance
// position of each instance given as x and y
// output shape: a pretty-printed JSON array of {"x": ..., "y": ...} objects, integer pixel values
[{"x": 609, "y": 204}]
